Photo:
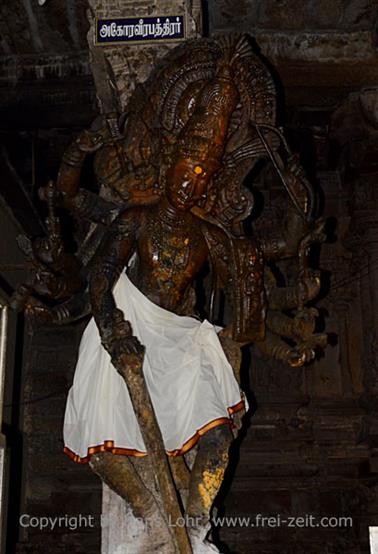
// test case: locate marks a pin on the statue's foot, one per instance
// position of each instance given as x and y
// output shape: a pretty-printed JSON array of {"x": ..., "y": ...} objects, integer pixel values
[{"x": 201, "y": 545}]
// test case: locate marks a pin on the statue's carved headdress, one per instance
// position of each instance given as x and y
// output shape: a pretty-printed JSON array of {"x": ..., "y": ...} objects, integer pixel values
[
  {"x": 203, "y": 100},
  {"x": 204, "y": 135}
]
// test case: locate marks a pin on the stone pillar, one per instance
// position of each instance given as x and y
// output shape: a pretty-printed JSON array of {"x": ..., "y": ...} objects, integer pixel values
[
  {"x": 363, "y": 241},
  {"x": 355, "y": 126},
  {"x": 3, "y": 350},
  {"x": 131, "y": 64}
]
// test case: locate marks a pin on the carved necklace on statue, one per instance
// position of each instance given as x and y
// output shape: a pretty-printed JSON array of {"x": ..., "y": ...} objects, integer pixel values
[{"x": 172, "y": 239}]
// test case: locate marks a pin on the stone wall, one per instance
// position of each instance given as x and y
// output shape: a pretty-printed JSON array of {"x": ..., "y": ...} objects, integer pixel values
[
  {"x": 320, "y": 50},
  {"x": 311, "y": 447},
  {"x": 53, "y": 484},
  {"x": 44, "y": 64}
]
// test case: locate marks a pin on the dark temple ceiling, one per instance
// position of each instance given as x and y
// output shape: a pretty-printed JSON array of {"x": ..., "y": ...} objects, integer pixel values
[
  {"x": 321, "y": 49},
  {"x": 28, "y": 29},
  {"x": 44, "y": 66}
]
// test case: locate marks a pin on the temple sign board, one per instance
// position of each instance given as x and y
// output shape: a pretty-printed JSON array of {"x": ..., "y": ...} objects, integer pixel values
[{"x": 140, "y": 30}]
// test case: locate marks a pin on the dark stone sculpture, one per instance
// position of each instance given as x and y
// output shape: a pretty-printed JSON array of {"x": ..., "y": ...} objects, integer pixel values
[{"x": 171, "y": 172}]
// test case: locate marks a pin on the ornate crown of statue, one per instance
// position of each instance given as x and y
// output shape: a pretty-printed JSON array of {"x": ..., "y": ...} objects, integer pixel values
[{"x": 203, "y": 137}]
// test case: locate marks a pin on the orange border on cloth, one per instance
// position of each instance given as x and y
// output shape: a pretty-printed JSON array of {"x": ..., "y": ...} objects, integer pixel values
[{"x": 108, "y": 446}]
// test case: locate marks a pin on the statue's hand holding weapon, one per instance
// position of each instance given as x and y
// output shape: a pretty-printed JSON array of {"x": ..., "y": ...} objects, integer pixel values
[
  {"x": 309, "y": 285},
  {"x": 104, "y": 130},
  {"x": 123, "y": 347},
  {"x": 302, "y": 230},
  {"x": 126, "y": 351},
  {"x": 91, "y": 140},
  {"x": 38, "y": 313}
]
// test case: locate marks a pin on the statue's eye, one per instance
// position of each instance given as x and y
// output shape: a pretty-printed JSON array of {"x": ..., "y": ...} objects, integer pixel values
[{"x": 198, "y": 170}]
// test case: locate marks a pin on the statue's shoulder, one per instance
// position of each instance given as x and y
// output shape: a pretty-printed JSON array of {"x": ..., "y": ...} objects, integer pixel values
[
  {"x": 213, "y": 234},
  {"x": 131, "y": 219}
]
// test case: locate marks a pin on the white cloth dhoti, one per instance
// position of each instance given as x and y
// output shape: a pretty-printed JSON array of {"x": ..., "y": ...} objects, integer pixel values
[{"x": 189, "y": 379}]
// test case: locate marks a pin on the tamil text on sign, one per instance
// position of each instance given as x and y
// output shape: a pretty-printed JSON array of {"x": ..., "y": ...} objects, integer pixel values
[{"x": 140, "y": 29}]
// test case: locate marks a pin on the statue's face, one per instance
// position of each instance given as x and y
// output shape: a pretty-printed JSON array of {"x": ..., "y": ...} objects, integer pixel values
[{"x": 187, "y": 183}]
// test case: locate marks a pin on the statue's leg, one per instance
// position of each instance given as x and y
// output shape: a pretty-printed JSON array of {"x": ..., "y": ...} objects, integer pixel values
[
  {"x": 125, "y": 477},
  {"x": 206, "y": 478},
  {"x": 181, "y": 477},
  {"x": 119, "y": 474}
]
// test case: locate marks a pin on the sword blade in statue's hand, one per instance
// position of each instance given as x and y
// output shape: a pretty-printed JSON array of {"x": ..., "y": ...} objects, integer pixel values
[
  {"x": 106, "y": 90},
  {"x": 278, "y": 170},
  {"x": 107, "y": 97}
]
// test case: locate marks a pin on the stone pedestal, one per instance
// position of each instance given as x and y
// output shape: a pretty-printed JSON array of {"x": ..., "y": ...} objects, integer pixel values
[
  {"x": 374, "y": 540},
  {"x": 121, "y": 532}
]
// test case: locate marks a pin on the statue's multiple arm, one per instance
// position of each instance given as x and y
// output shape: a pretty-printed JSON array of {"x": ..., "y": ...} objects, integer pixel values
[
  {"x": 116, "y": 249},
  {"x": 238, "y": 263},
  {"x": 283, "y": 243},
  {"x": 81, "y": 202},
  {"x": 92, "y": 207},
  {"x": 65, "y": 278},
  {"x": 239, "y": 267},
  {"x": 87, "y": 142},
  {"x": 290, "y": 297}
]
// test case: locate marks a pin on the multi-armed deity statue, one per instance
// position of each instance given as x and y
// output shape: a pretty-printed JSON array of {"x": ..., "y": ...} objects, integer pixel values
[{"x": 156, "y": 401}]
